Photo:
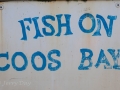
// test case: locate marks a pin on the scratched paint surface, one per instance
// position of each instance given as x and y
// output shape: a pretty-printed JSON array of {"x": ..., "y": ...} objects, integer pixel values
[{"x": 60, "y": 45}]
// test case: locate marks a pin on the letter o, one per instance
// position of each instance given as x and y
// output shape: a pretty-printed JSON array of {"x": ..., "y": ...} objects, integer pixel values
[
  {"x": 33, "y": 61},
  {"x": 24, "y": 58},
  {"x": 81, "y": 20}
]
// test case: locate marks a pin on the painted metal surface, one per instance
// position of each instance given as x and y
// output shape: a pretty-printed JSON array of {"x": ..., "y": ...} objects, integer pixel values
[{"x": 60, "y": 45}]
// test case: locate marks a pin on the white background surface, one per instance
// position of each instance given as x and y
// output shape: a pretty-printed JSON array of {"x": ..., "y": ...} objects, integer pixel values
[{"x": 68, "y": 77}]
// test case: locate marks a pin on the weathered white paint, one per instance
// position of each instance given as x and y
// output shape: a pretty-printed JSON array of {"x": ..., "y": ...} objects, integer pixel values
[{"x": 67, "y": 77}]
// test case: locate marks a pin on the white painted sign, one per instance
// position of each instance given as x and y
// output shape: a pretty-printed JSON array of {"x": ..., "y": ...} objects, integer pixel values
[{"x": 60, "y": 45}]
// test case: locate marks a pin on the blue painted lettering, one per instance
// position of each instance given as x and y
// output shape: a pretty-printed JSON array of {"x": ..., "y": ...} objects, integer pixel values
[
  {"x": 115, "y": 58},
  {"x": 102, "y": 59},
  {"x": 43, "y": 59},
  {"x": 57, "y": 52},
  {"x": 67, "y": 24},
  {"x": 108, "y": 29},
  {"x": 24, "y": 58},
  {"x": 81, "y": 20},
  {"x": 84, "y": 57},
  {"x": 44, "y": 18},
  {"x": 7, "y": 65}
]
